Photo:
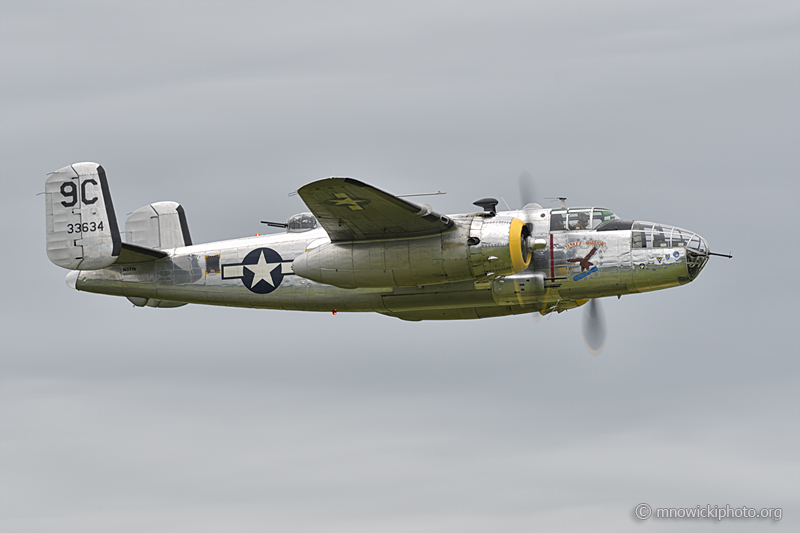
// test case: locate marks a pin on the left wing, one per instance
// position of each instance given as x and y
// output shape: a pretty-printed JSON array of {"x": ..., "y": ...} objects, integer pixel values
[{"x": 350, "y": 210}]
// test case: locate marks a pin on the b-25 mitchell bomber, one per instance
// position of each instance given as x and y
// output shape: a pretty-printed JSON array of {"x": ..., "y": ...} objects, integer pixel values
[{"x": 362, "y": 249}]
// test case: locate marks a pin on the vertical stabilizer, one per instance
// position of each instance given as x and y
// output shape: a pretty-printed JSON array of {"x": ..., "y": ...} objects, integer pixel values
[
  {"x": 160, "y": 226},
  {"x": 82, "y": 232}
]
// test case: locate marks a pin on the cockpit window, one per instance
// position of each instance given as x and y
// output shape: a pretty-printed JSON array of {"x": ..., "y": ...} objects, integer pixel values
[
  {"x": 558, "y": 219},
  {"x": 301, "y": 222},
  {"x": 601, "y": 216},
  {"x": 580, "y": 218}
]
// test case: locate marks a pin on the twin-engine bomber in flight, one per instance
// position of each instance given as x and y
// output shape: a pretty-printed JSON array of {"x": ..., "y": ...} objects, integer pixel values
[{"x": 362, "y": 249}]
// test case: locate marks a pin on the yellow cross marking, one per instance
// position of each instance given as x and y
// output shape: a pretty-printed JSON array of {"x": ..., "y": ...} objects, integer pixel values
[{"x": 344, "y": 199}]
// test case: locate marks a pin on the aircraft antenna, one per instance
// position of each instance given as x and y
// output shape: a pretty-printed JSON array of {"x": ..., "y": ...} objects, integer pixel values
[
  {"x": 421, "y": 194},
  {"x": 563, "y": 200}
]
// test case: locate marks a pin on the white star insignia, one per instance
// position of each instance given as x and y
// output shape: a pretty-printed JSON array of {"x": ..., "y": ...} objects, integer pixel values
[{"x": 262, "y": 271}]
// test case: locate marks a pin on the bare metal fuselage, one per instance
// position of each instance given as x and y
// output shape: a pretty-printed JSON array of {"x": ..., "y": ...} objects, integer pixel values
[{"x": 571, "y": 268}]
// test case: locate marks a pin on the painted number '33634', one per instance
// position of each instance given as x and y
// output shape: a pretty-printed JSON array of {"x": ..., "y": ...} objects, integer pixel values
[{"x": 85, "y": 227}]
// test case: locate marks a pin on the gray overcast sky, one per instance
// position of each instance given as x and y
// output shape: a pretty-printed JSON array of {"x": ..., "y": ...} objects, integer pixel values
[{"x": 211, "y": 419}]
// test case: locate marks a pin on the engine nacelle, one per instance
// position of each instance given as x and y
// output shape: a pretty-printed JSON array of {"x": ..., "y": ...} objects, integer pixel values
[
  {"x": 502, "y": 248},
  {"x": 478, "y": 247}
]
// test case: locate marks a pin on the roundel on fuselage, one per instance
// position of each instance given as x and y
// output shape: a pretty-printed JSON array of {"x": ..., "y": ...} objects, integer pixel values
[{"x": 261, "y": 270}]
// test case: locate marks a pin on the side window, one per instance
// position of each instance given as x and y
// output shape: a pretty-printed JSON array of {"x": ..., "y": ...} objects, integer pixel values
[
  {"x": 557, "y": 221},
  {"x": 637, "y": 238},
  {"x": 679, "y": 238},
  {"x": 212, "y": 264},
  {"x": 578, "y": 219},
  {"x": 642, "y": 235},
  {"x": 659, "y": 239},
  {"x": 600, "y": 216}
]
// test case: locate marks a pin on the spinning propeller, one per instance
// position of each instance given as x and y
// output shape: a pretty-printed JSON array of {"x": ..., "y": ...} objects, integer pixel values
[
  {"x": 594, "y": 325},
  {"x": 526, "y": 188}
]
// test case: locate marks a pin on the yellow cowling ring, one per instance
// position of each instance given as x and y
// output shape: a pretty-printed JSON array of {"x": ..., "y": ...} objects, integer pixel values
[{"x": 518, "y": 260}]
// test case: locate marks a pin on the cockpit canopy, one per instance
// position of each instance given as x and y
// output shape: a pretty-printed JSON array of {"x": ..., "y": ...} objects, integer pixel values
[
  {"x": 653, "y": 235},
  {"x": 580, "y": 218},
  {"x": 301, "y": 222}
]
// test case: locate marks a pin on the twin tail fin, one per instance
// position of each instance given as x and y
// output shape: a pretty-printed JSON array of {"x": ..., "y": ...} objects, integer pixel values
[{"x": 82, "y": 231}]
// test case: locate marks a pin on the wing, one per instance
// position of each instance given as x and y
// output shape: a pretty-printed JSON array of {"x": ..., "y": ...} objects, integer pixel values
[{"x": 350, "y": 210}]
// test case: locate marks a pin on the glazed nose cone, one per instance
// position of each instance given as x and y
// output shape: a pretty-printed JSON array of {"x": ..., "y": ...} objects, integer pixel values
[{"x": 696, "y": 255}]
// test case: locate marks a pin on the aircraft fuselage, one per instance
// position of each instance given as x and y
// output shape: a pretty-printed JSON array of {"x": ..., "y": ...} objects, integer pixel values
[{"x": 257, "y": 272}]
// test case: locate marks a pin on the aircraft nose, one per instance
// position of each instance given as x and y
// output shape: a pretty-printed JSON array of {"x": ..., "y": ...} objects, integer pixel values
[
  {"x": 697, "y": 252},
  {"x": 658, "y": 236}
]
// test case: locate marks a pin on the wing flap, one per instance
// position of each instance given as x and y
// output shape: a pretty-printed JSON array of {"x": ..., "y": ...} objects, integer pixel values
[{"x": 351, "y": 210}]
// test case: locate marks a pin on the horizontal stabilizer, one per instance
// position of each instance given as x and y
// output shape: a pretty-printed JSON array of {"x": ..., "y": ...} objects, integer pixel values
[{"x": 132, "y": 253}]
